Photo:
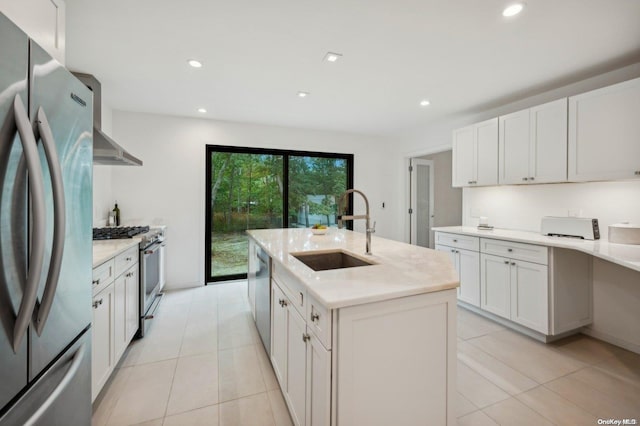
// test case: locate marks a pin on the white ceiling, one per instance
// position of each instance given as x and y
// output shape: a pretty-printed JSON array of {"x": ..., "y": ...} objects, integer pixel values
[{"x": 460, "y": 54}]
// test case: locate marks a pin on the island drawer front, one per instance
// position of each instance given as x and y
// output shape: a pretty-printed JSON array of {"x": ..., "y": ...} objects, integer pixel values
[
  {"x": 126, "y": 259},
  {"x": 103, "y": 275},
  {"x": 513, "y": 250},
  {"x": 458, "y": 241},
  {"x": 295, "y": 291},
  {"x": 319, "y": 321}
]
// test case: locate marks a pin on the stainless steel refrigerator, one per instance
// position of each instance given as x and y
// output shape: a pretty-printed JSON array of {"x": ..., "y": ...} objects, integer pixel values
[{"x": 45, "y": 237}]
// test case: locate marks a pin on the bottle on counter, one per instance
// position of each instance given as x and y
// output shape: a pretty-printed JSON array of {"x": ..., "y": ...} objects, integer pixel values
[{"x": 116, "y": 214}]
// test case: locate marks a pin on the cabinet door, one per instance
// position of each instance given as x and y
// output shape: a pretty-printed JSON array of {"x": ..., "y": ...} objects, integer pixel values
[
  {"x": 318, "y": 383},
  {"x": 495, "y": 285},
  {"x": 296, "y": 365},
  {"x": 132, "y": 296},
  {"x": 463, "y": 157},
  {"x": 469, "y": 272},
  {"x": 119, "y": 316},
  {"x": 548, "y": 142},
  {"x": 514, "y": 148},
  {"x": 529, "y": 295},
  {"x": 279, "y": 334},
  {"x": 102, "y": 355},
  {"x": 486, "y": 139},
  {"x": 454, "y": 261},
  {"x": 604, "y": 131}
]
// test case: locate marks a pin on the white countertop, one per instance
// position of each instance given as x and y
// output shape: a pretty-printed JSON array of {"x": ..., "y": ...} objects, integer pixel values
[
  {"x": 401, "y": 269},
  {"x": 104, "y": 250},
  {"x": 626, "y": 255}
]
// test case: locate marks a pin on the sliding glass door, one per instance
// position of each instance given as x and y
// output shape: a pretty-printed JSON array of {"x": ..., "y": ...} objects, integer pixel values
[{"x": 251, "y": 188}]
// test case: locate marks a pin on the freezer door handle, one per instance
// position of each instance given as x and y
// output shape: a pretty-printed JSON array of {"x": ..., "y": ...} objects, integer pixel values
[
  {"x": 59, "y": 219},
  {"x": 68, "y": 377},
  {"x": 38, "y": 223}
]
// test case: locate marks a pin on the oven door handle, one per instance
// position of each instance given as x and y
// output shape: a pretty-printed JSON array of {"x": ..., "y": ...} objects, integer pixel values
[{"x": 152, "y": 249}]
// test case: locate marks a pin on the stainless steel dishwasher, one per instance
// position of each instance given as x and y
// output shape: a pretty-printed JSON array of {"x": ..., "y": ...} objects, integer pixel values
[{"x": 263, "y": 298}]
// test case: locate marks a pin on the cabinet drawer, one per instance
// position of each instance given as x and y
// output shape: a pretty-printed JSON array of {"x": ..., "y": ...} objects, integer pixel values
[
  {"x": 294, "y": 290},
  {"x": 458, "y": 241},
  {"x": 102, "y": 276},
  {"x": 319, "y": 321},
  {"x": 512, "y": 250},
  {"x": 126, "y": 260}
]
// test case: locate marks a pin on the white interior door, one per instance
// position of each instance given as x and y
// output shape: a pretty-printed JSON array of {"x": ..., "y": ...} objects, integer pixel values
[{"x": 421, "y": 209}]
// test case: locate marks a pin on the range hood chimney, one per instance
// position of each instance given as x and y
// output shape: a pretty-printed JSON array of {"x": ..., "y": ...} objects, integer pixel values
[{"x": 105, "y": 150}]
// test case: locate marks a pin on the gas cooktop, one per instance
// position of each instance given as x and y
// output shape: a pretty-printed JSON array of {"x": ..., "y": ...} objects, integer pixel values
[{"x": 118, "y": 232}]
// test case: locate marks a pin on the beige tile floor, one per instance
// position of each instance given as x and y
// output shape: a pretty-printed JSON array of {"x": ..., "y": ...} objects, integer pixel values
[{"x": 203, "y": 364}]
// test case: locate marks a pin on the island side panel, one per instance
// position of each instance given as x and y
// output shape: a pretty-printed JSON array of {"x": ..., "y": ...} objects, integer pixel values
[{"x": 396, "y": 361}]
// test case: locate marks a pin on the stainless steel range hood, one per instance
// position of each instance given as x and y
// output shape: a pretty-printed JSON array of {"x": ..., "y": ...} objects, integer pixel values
[{"x": 105, "y": 150}]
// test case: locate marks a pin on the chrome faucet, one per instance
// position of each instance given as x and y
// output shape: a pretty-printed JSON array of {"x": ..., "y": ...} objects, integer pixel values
[{"x": 343, "y": 217}]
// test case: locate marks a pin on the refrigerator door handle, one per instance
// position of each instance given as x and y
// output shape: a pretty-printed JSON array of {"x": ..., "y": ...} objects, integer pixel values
[
  {"x": 68, "y": 377},
  {"x": 38, "y": 222},
  {"x": 59, "y": 221}
]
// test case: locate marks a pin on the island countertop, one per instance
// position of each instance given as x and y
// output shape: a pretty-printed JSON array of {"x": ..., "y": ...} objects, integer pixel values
[{"x": 400, "y": 269}]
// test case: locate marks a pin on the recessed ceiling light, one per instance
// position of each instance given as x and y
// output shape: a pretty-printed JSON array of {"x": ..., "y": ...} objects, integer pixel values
[
  {"x": 513, "y": 9},
  {"x": 194, "y": 63},
  {"x": 425, "y": 103},
  {"x": 303, "y": 94},
  {"x": 202, "y": 110},
  {"x": 332, "y": 57}
]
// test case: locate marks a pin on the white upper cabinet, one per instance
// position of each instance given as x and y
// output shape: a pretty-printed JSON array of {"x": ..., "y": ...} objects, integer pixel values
[
  {"x": 475, "y": 154},
  {"x": 604, "y": 133},
  {"x": 533, "y": 144},
  {"x": 42, "y": 20}
]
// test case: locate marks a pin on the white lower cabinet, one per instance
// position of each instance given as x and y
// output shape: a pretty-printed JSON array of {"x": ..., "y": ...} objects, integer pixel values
[
  {"x": 126, "y": 309},
  {"x": 516, "y": 290},
  {"x": 297, "y": 366},
  {"x": 360, "y": 380},
  {"x": 102, "y": 339},
  {"x": 279, "y": 334},
  {"x": 467, "y": 264},
  {"x": 318, "y": 383},
  {"x": 301, "y": 363},
  {"x": 115, "y": 314},
  {"x": 495, "y": 285}
]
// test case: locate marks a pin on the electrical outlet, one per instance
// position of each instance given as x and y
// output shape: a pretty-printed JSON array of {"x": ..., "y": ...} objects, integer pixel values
[{"x": 574, "y": 213}]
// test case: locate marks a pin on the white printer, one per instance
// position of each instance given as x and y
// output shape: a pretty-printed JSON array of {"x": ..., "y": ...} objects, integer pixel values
[{"x": 576, "y": 227}]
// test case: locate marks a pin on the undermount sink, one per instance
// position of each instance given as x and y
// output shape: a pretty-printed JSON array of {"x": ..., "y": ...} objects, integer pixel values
[{"x": 326, "y": 260}]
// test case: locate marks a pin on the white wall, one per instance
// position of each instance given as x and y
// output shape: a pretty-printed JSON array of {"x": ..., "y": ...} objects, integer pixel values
[
  {"x": 522, "y": 206},
  {"x": 170, "y": 187}
]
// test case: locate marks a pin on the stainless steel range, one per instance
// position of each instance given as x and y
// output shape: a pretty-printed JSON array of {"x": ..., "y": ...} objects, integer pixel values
[{"x": 152, "y": 240}]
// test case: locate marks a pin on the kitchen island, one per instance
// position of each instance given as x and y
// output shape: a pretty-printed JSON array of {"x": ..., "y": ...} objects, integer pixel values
[{"x": 372, "y": 344}]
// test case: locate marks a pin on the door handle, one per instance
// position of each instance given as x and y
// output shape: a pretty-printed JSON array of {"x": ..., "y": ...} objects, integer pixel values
[
  {"x": 73, "y": 369},
  {"x": 59, "y": 220},
  {"x": 38, "y": 221}
]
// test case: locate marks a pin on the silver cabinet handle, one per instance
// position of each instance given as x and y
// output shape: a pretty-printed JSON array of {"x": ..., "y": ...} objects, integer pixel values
[
  {"x": 97, "y": 303},
  {"x": 38, "y": 221},
  {"x": 531, "y": 178},
  {"x": 59, "y": 220},
  {"x": 96, "y": 282},
  {"x": 53, "y": 397},
  {"x": 525, "y": 179},
  {"x": 453, "y": 251},
  {"x": 513, "y": 263},
  {"x": 315, "y": 317},
  {"x": 129, "y": 259},
  {"x": 510, "y": 250},
  {"x": 637, "y": 173},
  {"x": 306, "y": 337},
  {"x": 282, "y": 302},
  {"x": 506, "y": 262}
]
